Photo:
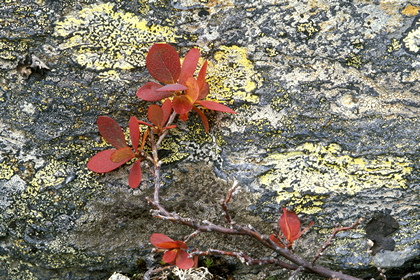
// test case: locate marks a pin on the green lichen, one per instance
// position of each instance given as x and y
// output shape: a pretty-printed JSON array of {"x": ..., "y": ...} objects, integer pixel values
[
  {"x": 321, "y": 169},
  {"x": 232, "y": 76},
  {"x": 109, "y": 39}
]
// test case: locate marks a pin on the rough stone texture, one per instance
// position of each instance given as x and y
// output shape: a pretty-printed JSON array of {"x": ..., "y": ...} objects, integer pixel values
[{"x": 327, "y": 95}]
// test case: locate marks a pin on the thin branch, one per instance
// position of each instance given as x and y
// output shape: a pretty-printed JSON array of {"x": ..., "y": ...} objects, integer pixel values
[
  {"x": 411, "y": 275},
  {"x": 225, "y": 202},
  {"x": 235, "y": 229},
  {"x": 153, "y": 271},
  {"x": 296, "y": 272},
  {"x": 191, "y": 236},
  {"x": 245, "y": 258},
  {"x": 329, "y": 240},
  {"x": 166, "y": 132}
]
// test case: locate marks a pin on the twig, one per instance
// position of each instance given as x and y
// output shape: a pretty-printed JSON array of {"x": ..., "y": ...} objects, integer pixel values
[
  {"x": 411, "y": 275},
  {"x": 329, "y": 240},
  {"x": 192, "y": 235},
  {"x": 296, "y": 272},
  {"x": 153, "y": 271},
  {"x": 382, "y": 273},
  {"x": 245, "y": 258},
  {"x": 225, "y": 202},
  {"x": 235, "y": 229}
]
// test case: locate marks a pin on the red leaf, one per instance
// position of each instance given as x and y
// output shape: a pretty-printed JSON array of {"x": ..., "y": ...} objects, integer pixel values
[
  {"x": 204, "y": 91},
  {"x": 183, "y": 117},
  {"x": 193, "y": 90},
  {"x": 276, "y": 240},
  {"x": 169, "y": 127},
  {"x": 182, "y": 244},
  {"x": 123, "y": 154},
  {"x": 182, "y": 104},
  {"x": 111, "y": 132},
  {"x": 289, "y": 225},
  {"x": 189, "y": 65},
  {"x": 202, "y": 75},
  {"x": 167, "y": 110},
  {"x": 101, "y": 162},
  {"x": 148, "y": 124},
  {"x": 134, "y": 178},
  {"x": 172, "y": 87},
  {"x": 155, "y": 115},
  {"x": 170, "y": 256},
  {"x": 162, "y": 241},
  {"x": 215, "y": 106},
  {"x": 182, "y": 260},
  {"x": 148, "y": 92},
  {"x": 163, "y": 64},
  {"x": 134, "y": 132},
  {"x": 203, "y": 118}
]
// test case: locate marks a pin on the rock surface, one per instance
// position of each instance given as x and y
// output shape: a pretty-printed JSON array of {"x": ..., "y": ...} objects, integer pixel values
[{"x": 328, "y": 102}]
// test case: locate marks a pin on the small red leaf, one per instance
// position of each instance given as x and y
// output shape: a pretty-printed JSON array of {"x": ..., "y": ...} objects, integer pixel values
[
  {"x": 145, "y": 123},
  {"x": 181, "y": 104},
  {"x": 111, "y": 132},
  {"x": 134, "y": 132},
  {"x": 215, "y": 106},
  {"x": 183, "y": 117},
  {"x": 182, "y": 260},
  {"x": 276, "y": 240},
  {"x": 182, "y": 244},
  {"x": 189, "y": 65},
  {"x": 170, "y": 256},
  {"x": 101, "y": 162},
  {"x": 204, "y": 91},
  {"x": 155, "y": 114},
  {"x": 289, "y": 225},
  {"x": 167, "y": 110},
  {"x": 123, "y": 154},
  {"x": 134, "y": 178},
  {"x": 172, "y": 87},
  {"x": 148, "y": 92},
  {"x": 163, "y": 64},
  {"x": 202, "y": 75},
  {"x": 162, "y": 241},
  {"x": 169, "y": 127},
  {"x": 203, "y": 118},
  {"x": 193, "y": 90}
]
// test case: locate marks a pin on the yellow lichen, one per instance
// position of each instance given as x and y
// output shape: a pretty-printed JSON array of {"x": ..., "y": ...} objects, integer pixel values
[
  {"x": 231, "y": 76},
  {"x": 53, "y": 174},
  {"x": 394, "y": 45},
  {"x": 354, "y": 60},
  {"x": 321, "y": 169},
  {"x": 6, "y": 171},
  {"x": 109, "y": 39},
  {"x": 411, "y": 10},
  {"x": 307, "y": 28}
]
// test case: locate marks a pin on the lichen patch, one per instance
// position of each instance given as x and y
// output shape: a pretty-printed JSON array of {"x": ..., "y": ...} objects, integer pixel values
[
  {"x": 412, "y": 40},
  {"x": 317, "y": 169},
  {"x": 104, "y": 38},
  {"x": 232, "y": 76}
]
